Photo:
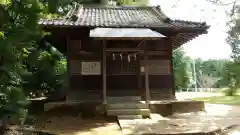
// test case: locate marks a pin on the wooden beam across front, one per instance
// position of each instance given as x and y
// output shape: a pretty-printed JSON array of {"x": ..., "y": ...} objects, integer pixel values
[
  {"x": 157, "y": 53},
  {"x": 135, "y": 50},
  {"x": 123, "y": 50}
]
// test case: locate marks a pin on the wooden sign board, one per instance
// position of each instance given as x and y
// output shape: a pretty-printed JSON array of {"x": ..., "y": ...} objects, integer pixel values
[{"x": 91, "y": 68}]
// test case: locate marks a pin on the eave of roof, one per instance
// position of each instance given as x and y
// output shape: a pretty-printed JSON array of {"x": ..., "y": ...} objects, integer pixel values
[
  {"x": 180, "y": 31},
  {"x": 122, "y": 17}
]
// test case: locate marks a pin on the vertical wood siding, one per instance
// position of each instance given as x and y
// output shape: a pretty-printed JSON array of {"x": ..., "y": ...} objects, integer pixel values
[{"x": 83, "y": 86}]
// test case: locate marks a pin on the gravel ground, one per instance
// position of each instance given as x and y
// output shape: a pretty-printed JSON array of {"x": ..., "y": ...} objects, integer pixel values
[
  {"x": 77, "y": 125},
  {"x": 215, "y": 117}
]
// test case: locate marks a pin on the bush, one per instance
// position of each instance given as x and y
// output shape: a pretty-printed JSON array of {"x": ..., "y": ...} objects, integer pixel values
[
  {"x": 45, "y": 72},
  {"x": 230, "y": 92}
]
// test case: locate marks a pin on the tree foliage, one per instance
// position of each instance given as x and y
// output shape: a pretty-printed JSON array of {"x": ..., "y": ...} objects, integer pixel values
[
  {"x": 45, "y": 72},
  {"x": 209, "y": 73},
  {"x": 28, "y": 67},
  {"x": 181, "y": 70},
  {"x": 24, "y": 64},
  {"x": 19, "y": 30},
  {"x": 233, "y": 68}
]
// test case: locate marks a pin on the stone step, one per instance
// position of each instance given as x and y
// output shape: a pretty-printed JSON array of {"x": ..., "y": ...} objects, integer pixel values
[
  {"x": 129, "y": 117},
  {"x": 117, "y": 112},
  {"x": 123, "y": 99},
  {"x": 127, "y": 106}
]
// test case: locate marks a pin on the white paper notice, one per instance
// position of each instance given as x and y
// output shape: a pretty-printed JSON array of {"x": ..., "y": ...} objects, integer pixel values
[{"x": 91, "y": 68}]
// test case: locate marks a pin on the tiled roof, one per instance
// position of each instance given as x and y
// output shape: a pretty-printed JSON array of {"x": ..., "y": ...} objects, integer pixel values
[{"x": 120, "y": 17}]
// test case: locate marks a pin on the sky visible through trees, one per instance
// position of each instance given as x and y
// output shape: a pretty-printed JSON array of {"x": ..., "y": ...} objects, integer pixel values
[{"x": 214, "y": 13}]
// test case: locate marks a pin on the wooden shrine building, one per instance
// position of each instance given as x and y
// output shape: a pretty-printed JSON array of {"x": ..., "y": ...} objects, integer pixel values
[{"x": 120, "y": 51}]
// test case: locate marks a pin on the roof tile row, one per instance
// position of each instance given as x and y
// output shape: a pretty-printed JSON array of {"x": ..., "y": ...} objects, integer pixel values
[{"x": 120, "y": 17}]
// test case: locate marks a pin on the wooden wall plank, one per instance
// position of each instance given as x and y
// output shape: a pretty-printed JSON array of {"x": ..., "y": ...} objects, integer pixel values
[{"x": 158, "y": 67}]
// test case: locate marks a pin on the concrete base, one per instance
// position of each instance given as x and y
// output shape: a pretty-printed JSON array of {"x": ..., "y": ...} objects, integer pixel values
[
  {"x": 166, "y": 108},
  {"x": 163, "y": 108},
  {"x": 84, "y": 108}
]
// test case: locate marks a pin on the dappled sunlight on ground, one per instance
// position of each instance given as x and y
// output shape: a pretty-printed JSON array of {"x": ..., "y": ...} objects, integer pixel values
[
  {"x": 216, "y": 114},
  {"x": 76, "y": 125},
  {"x": 221, "y": 110},
  {"x": 110, "y": 129},
  {"x": 162, "y": 125},
  {"x": 215, "y": 117}
]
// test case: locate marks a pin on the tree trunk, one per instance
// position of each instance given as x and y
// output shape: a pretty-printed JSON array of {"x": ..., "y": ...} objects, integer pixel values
[
  {"x": 1, "y": 60},
  {"x": 3, "y": 128}
]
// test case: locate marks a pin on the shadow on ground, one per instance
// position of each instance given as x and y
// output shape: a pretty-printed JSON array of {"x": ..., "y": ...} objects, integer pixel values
[{"x": 68, "y": 122}]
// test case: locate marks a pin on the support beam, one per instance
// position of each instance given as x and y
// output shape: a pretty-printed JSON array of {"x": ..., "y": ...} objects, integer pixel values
[
  {"x": 123, "y": 50},
  {"x": 139, "y": 45},
  {"x": 157, "y": 53},
  {"x": 68, "y": 61},
  {"x": 146, "y": 73},
  {"x": 171, "y": 65},
  {"x": 139, "y": 73},
  {"x": 104, "y": 73}
]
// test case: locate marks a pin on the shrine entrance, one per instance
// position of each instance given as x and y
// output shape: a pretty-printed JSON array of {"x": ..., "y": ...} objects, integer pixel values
[
  {"x": 123, "y": 49},
  {"x": 123, "y": 72}
]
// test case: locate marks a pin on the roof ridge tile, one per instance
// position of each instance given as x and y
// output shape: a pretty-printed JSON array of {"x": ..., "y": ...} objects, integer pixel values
[{"x": 116, "y": 7}]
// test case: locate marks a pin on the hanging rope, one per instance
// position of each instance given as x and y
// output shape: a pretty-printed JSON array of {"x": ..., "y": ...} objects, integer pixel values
[
  {"x": 129, "y": 58},
  {"x": 113, "y": 55},
  {"x": 122, "y": 55},
  {"x": 135, "y": 56}
]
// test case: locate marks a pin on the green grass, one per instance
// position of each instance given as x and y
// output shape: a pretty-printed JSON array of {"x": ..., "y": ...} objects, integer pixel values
[{"x": 227, "y": 100}]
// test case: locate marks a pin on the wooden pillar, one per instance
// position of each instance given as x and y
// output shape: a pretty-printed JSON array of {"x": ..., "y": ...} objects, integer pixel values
[
  {"x": 169, "y": 42},
  {"x": 68, "y": 61},
  {"x": 146, "y": 73},
  {"x": 104, "y": 73},
  {"x": 139, "y": 71}
]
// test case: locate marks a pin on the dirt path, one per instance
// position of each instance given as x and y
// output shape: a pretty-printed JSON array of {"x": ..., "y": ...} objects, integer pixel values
[
  {"x": 77, "y": 125},
  {"x": 223, "y": 114},
  {"x": 216, "y": 116}
]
